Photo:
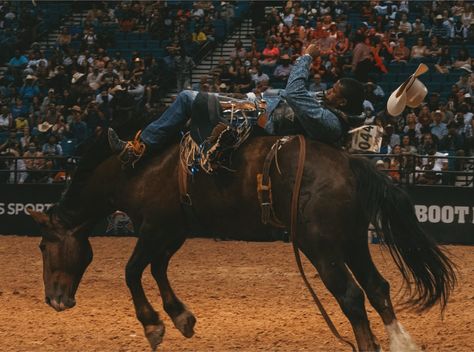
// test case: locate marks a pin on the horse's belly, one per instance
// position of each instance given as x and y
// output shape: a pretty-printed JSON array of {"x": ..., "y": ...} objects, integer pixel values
[{"x": 227, "y": 209}]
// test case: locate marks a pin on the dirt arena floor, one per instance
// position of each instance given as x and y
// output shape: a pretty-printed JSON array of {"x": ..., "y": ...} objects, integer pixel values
[{"x": 246, "y": 297}]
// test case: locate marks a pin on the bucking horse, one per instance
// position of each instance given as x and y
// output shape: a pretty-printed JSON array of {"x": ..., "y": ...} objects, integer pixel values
[{"x": 337, "y": 197}]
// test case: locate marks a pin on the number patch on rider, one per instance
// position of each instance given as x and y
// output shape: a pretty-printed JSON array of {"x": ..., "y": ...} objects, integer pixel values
[{"x": 367, "y": 139}]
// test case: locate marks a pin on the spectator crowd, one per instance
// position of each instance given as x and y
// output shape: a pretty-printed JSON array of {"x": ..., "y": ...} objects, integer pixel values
[
  {"x": 52, "y": 100},
  {"x": 65, "y": 95}
]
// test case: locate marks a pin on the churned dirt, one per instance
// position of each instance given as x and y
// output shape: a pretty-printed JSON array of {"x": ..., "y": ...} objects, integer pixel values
[{"x": 246, "y": 297}]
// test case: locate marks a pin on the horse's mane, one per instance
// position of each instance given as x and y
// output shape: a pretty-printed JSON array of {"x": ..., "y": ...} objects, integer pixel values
[{"x": 128, "y": 119}]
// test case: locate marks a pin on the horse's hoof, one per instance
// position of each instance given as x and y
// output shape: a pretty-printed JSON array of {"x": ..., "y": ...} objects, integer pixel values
[
  {"x": 154, "y": 334},
  {"x": 185, "y": 323}
]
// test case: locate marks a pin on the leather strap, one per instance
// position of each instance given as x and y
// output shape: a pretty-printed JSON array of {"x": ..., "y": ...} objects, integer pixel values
[
  {"x": 293, "y": 230},
  {"x": 264, "y": 186},
  {"x": 183, "y": 180}
]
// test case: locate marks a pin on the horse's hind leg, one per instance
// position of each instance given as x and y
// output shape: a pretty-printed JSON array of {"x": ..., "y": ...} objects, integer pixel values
[
  {"x": 154, "y": 327},
  {"x": 377, "y": 290},
  {"x": 182, "y": 318},
  {"x": 329, "y": 262}
]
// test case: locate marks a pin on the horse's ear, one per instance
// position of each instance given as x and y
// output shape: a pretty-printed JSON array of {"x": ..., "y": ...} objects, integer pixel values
[{"x": 40, "y": 218}]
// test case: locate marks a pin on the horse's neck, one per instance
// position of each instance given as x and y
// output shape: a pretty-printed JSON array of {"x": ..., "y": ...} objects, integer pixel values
[{"x": 90, "y": 199}]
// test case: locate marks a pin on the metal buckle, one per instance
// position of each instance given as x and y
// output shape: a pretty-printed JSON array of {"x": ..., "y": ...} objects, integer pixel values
[{"x": 186, "y": 199}]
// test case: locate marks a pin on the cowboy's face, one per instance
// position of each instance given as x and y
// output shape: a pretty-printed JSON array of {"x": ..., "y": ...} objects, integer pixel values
[{"x": 334, "y": 96}]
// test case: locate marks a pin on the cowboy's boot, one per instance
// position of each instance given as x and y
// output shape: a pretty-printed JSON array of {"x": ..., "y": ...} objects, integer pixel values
[{"x": 129, "y": 152}]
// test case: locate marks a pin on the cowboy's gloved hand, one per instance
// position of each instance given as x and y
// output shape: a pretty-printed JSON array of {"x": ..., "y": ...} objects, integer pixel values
[{"x": 312, "y": 50}]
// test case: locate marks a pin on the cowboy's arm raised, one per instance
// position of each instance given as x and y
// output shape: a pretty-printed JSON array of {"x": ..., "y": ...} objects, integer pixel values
[{"x": 295, "y": 93}]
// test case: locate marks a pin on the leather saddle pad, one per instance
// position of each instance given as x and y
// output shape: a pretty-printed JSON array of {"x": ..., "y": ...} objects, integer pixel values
[{"x": 206, "y": 113}]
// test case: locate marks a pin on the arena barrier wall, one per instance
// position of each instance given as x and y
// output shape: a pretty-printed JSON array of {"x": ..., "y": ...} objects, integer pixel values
[{"x": 447, "y": 213}]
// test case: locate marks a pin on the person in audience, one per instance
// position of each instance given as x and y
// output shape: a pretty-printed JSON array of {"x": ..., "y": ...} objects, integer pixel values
[
  {"x": 6, "y": 119},
  {"x": 453, "y": 141},
  {"x": 463, "y": 60},
  {"x": 317, "y": 85},
  {"x": 418, "y": 51},
  {"x": 362, "y": 59},
  {"x": 34, "y": 162},
  {"x": 242, "y": 81},
  {"x": 418, "y": 27},
  {"x": 401, "y": 53},
  {"x": 238, "y": 51},
  {"x": 270, "y": 54},
  {"x": 259, "y": 77},
  {"x": 408, "y": 145},
  {"x": 434, "y": 49},
  {"x": 444, "y": 61},
  {"x": 282, "y": 71},
  {"x": 184, "y": 66}
]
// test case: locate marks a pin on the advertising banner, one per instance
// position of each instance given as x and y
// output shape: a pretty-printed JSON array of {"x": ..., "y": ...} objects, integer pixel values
[
  {"x": 446, "y": 213},
  {"x": 17, "y": 200}
]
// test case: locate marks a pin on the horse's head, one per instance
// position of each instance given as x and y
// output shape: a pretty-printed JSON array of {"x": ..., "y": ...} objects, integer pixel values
[{"x": 66, "y": 255}]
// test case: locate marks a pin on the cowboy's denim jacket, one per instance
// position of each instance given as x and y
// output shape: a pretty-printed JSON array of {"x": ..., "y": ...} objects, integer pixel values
[{"x": 317, "y": 122}]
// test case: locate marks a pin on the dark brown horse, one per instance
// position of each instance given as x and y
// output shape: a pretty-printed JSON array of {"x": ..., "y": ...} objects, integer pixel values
[{"x": 340, "y": 195}]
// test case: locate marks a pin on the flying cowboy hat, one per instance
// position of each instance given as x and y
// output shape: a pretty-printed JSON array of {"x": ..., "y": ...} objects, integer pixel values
[{"x": 412, "y": 93}]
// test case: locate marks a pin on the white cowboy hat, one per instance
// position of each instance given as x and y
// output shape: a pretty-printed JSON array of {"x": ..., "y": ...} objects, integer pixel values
[
  {"x": 44, "y": 127},
  {"x": 32, "y": 77},
  {"x": 76, "y": 77},
  {"x": 411, "y": 93}
]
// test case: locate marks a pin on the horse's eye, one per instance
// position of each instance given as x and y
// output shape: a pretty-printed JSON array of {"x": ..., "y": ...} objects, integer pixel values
[{"x": 42, "y": 247}]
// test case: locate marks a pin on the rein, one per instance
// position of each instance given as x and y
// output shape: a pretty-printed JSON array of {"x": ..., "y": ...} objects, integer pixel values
[{"x": 293, "y": 225}]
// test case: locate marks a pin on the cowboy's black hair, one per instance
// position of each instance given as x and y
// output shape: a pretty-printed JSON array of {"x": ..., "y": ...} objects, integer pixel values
[{"x": 354, "y": 92}]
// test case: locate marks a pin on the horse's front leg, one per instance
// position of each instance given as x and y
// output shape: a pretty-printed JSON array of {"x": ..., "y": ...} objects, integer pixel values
[
  {"x": 154, "y": 327},
  {"x": 182, "y": 318}
]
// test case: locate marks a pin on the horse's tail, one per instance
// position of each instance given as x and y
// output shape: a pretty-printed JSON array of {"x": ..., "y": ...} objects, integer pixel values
[{"x": 416, "y": 255}]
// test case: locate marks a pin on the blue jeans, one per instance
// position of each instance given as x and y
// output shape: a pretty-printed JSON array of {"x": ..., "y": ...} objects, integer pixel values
[{"x": 157, "y": 133}]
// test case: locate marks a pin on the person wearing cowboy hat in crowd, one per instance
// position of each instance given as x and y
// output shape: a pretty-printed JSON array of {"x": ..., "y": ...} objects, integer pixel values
[
  {"x": 283, "y": 70},
  {"x": 327, "y": 117},
  {"x": 438, "y": 29},
  {"x": 79, "y": 88},
  {"x": 29, "y": 90}
]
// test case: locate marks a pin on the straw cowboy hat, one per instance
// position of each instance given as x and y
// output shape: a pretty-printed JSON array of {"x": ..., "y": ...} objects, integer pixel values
[
  {"x": 76, "y": 108},
  {"x": 76, "y": 77},
  {"x": 411, "y": 93},
  {"x": 44, "y": 127}
]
